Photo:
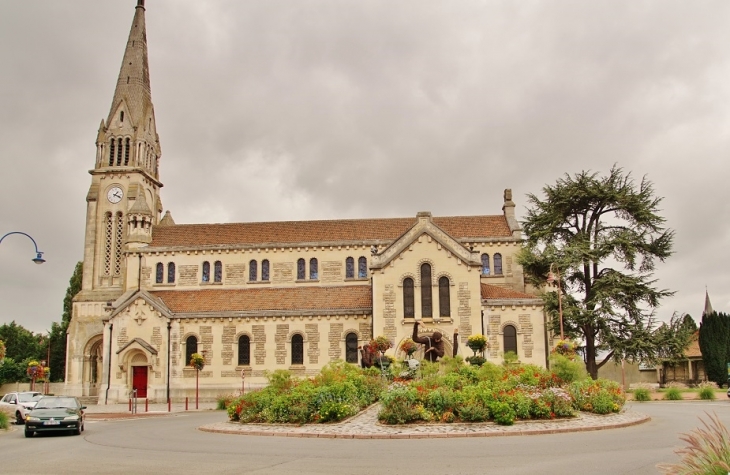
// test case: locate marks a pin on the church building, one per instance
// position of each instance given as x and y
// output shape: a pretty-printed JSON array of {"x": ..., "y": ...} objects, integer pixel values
[{"x": 260, "y": 296}]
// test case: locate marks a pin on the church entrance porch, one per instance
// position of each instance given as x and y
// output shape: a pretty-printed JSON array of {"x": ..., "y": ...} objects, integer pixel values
[
  {"x": 139, "y": 380},
  {"x": 92, "y": 367}
]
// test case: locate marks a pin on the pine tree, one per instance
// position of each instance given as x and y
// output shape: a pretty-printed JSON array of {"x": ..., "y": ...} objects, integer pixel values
[
  {"x": 714, "y": 345},
  {"x": 58, "y": 330}
]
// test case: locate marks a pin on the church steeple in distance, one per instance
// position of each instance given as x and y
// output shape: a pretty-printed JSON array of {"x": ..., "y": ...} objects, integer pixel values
[{"x": 128, "y": 137}]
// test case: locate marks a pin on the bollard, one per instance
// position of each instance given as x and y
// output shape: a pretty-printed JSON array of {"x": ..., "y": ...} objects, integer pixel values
[
  {"x": 146, "y": 405},
  {"x": 186, "y": 403},
  {"x": 168, "y": 405},
  {"x": 130, "y": 404}
]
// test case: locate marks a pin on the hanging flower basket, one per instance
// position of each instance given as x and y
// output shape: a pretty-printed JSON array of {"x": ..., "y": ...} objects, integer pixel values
[
  {"x": 408, "y": 347},
  {"x": 197, "y": 361},
  {"x": 476, "y": 360},
  {"x": 381, "y": 344},
  {"x": 477, "y": 343},
  {"x": 566, "y": 348},
  {"x": 2, "y": 350},
  {"x": 35, "y": 370}
]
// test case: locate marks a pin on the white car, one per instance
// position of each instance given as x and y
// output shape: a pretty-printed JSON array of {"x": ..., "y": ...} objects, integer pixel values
[{"x": 20, "y": 403}]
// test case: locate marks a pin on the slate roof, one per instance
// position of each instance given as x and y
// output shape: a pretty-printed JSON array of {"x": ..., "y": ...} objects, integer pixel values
[
  {"x": 340, "y": 230},
  {"x": 496, "y": 292},
  {"x": 301, "y": 299}
]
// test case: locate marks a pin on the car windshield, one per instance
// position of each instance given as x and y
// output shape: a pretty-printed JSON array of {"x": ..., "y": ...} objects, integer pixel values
[
  {"x": 54, "y": 402},
  {"x": 27, "y": 397}
]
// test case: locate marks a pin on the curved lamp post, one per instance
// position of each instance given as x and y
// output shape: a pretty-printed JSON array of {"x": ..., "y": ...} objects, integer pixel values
[
  {"x": 551, "y": 279},
  {"x": 38, "y": 259}
]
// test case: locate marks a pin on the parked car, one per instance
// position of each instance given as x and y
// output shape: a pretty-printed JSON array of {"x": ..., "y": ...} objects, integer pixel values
[
  {"x": 55, "y": 413},
  {"x": 20, "y": 403}
]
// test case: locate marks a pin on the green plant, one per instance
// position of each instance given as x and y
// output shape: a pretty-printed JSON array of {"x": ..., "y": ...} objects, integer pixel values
[
  {"x": 477, "y": 343},
  {"x": 474, "y": 412},
  {"x": 510, "y": 358},
  {"x": 223, "y": 401},
  {"x": 673, "y": 394},
  {"x": 568, "y": 370},
  {"x": 707, "y": 452},
  {"x": 476, "y": 360},
  {"x": 707, "y": 393},
  {"x": 502, "y": 412},
  {"x": 642, "y": 395},
  {"x": 197, "y": 361},
  {"x": 4, "y": 422},
  {"x": 398, "y": 405}
]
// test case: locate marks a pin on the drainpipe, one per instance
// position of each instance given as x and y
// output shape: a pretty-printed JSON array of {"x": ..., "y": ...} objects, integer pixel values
[
  {"x": 109, "y": 365},
  {"x": 139, "y": 272},
  {"x": 169, "y": 326},
  {"x": 372, "y": 307}
]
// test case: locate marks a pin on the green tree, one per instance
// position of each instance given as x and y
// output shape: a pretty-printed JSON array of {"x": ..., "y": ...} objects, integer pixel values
[
  {"x": 714, "y": 341},
  {"x": 603, "y": 234},
  {"x": 20, "y": 344},
  {"x": 673, "y": 338},
  {"x": 58, "y": 330}
]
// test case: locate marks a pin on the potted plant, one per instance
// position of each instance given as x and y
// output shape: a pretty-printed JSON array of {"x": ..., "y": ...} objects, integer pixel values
[
  {"x": 477, "y": 343},
  {"x": 566, "y": 348},
  {"x": 408, "y": 346},
  {"x": 34, "y": 372}
]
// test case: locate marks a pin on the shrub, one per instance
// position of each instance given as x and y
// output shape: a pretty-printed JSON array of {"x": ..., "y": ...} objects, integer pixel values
[
  {"x": 474, "y": 412},
  {"x": 707, "y": 393},
  {"x": 708, "y": 450},
  {"x": 673, "y": 394},
  {"x": 4, "y": 421},
  {"x": 503, "y": 414},
  {"x": 280, "y": 380},
  {"x": 511, "y": 358},
  {"x": 566, "y": 369},
  {"x": 602, "y": 403},
  {"x": 587, "y": 394},
  {"x": 223, "y": 401},
  {"x": 642, "y": 395},
  {"x": 398, "y": 405},
  {"x": 490, "y": 372}
]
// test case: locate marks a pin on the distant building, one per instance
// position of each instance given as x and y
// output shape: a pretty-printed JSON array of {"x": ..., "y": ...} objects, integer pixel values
[{"x": 256, "y": 297}]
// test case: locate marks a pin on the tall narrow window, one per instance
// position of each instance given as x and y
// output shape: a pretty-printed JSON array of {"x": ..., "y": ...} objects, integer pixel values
[
  {"x": 217, "y": 271},
  {"x": 409, "y": 307},
  {"x": 313, "y": 272},
  {"x": 349, "y": 268},
  {"x": 126, "y": 152},
  {"x": 444, "y": 297},
  {"x": 253, "y": 271},
  {"x": 171, "y": 273},
  {"x": 111, "y": 152},
  {"x": 121, "y": 113},
  {"x": 498, "y": 264},
  {"x": 119, "y": 234},
  {"x": 191, "y": 346},
  {"x": 265, "y": 270},
  {"x": 206, "y": 271},
  {"x": 351, "y": 348},
  {"x": 244, "y": 351},
  {"x": 485, "y": 264},
  {"x": 301, "y": 272},
  {"x": 297, "y": 349},
  {"x": 362, "y": 267},
  {"x": 119, "y": 152},
  {"x": 426, "y": 300},
  {"x": 108, "y": 243},
  {"x": 510, "y": 339},
  {"x": 159, "y": 273}
]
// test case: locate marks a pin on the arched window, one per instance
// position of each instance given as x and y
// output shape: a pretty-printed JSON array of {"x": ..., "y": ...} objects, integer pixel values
[
  {"x": 119, "y": 152},
  {"x": 510, "y": 339},
  {"x": 253, "y": 271},
  {"x": 111, "y": 152},
  {"x": 313, "y": 271},
  {"x": 191, "y": 346},
  {"x": 351, "y": 348},
  {"x": 409, "y": 307},
  {"x": 159, "y": 273},
  {"x": 426, "y": 300},
  {"x": 119, "y": 234},
  {"x": 349, "y": 268},
  {"x": 444, "y": 297},
  {"x": 206, "y": 271},
  {"x": 217, "y": 271},
  {"x": 362, "y": 267},
  {"x": 297, "y": 349},
  {"x": 121, "y": 113},
  {"x": 244, "y": 351},
  {"x": 498, "y": 264},
  {"x": 265, "y": 270},
  {"x": 108, "y": 243},
  {"x": 171, "y": 273},
  {"x": 301, "y": 271},
  {"x": 126, "y": 152},
  {"x": 485, "y": 264}
]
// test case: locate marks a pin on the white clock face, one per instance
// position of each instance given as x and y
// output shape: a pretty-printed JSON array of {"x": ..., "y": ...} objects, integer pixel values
[{"x": 115, "y": 194}]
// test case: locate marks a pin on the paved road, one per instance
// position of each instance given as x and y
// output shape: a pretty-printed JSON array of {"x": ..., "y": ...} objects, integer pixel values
[{"x": 172, "y": 444}]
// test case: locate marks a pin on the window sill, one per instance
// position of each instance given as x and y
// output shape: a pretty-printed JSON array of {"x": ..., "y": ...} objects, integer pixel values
[
  {"x": 356, "y": 279},
  {"x": 164, "y": 285},
  {"x": 429, "y": 320},
  {"x": 211, "y": 283},
  {"x": 254, "y": 282},
  {"x": 308, "y": 281}
]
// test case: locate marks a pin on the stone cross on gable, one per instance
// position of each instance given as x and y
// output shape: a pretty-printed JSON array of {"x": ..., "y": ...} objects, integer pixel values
[{"x": 139, "y": 315}]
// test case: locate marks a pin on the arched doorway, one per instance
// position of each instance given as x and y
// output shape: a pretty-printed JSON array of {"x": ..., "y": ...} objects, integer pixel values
[
  {"x": 92, "y": 366},
  {"x": 139, "y": 374}
]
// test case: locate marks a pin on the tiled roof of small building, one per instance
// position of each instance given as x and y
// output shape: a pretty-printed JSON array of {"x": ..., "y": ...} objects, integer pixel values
[
  {"x": 693, "y": 350},
  {"x": 262, "y": 299},
  {"x": 340, "y": 230},
  {"x": 496, "y": 292}
]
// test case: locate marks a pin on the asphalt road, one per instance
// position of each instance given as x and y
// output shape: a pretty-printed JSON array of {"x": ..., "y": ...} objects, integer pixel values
[{"x": 172, "y": 444}]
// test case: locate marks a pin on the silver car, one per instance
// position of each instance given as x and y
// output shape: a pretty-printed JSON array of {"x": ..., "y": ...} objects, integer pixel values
[{"x": 20, "y": 403}]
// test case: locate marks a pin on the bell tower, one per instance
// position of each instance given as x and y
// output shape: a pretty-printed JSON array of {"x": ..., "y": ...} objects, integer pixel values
[{"x": 123, "y": 201}]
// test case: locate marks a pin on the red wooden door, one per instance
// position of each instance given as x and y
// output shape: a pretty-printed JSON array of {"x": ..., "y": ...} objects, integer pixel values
[{"x": 139, "y": 380}]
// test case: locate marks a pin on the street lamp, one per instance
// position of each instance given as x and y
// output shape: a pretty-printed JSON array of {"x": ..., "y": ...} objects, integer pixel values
[
  {"x": 551, "y": 279},
  {"x": 38, "y": 259}
]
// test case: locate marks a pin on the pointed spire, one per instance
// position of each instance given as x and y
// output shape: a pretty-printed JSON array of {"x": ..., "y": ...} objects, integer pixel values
[
  {"x": 140, "y": 206},
  {"x": 708, "y": 306},
  {"x": 167, "y": 219},
  {"x": 133, "y": 84}
]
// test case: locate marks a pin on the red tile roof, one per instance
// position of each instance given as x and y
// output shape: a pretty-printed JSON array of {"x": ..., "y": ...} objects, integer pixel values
[
  {"x": 341, "y": 230},
  {"x": 261, "y": 299},
  {"x": 496, "y": 292},
  {"x": 693, "y": 350}
]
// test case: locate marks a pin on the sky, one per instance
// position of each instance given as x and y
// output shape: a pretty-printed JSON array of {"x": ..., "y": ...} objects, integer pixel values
[{"x": 295, "y": 109}]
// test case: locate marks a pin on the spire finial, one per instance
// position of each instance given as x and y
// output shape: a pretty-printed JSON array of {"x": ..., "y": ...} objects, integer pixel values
[{"x": 140, "y": 3}]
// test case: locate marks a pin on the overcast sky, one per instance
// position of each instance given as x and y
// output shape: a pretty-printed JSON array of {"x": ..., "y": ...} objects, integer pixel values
[{"x": 293, "y": 109}]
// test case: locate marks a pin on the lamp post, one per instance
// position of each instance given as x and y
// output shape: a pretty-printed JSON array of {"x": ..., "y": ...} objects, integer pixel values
[
  {"x": 551, "y": 279},
  {"x": 38, "y": 259}
]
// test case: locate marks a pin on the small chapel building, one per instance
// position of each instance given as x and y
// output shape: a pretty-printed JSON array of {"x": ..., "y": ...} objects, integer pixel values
[{"x": 261, "y": 296}]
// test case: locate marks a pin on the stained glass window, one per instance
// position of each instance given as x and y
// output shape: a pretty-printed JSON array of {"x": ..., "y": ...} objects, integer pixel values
[
  {"x": 297, "y": 349},
  {"x": 244, "y": 351},
  {"x": 253, "y": 271},
  {"x": 362, "y": 267},
  {"x": 217, "y": 271},
  {"x": 444, "y": 297},
  {"x": 498, "y": 264},
  {"x": 485, "y": 264},
  {"x": 171, "y": 273},
  {"x": 159, "y": 273},
  {"x": 206, "y": 271},
  {"x": 349, "y": 268},
  {"x": 409, "y": 309},
  {"x": 426, "y": 300},
  {"x": 265, "y": 270},
  {"x": 313, "y": 272}
]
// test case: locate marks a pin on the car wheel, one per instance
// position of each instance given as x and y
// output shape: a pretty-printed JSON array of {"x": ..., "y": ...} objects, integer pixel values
[
  {"x": 76, "y": 431},
  {"x": 28, "y": 433},
  {"x": 18, "y": 419}
]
